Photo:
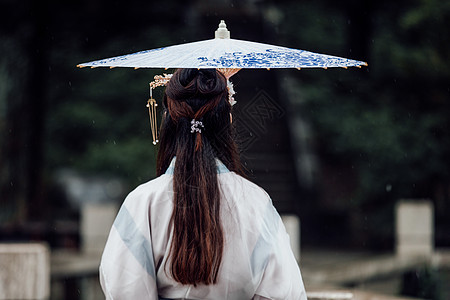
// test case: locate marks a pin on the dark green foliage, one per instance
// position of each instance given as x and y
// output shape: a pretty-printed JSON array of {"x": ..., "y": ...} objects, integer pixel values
[
  {"x": 423, "y": 283},
  {"x": 391, "y": 118},
  {"x": 389, "y": 121}
]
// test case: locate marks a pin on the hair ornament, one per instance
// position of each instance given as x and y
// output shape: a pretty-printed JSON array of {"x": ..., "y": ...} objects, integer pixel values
[
  {"x": 231, "y": 92},
  {"x": 160, "y": 80},
  {"x": 151, "y": 104},
  {"x": 196, "y": 126}
]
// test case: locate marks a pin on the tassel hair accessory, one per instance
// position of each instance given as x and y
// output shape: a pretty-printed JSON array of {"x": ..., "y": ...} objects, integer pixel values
[{"x": 160, "y": 80}]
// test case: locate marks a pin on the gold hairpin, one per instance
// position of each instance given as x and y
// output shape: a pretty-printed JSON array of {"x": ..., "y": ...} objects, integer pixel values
[{"x": 160, "y": 80}]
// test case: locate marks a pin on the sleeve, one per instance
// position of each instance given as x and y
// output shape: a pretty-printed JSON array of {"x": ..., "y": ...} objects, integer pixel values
[
  {"x": 281, "y": 278},
  {"x": 127, "y": 268}
]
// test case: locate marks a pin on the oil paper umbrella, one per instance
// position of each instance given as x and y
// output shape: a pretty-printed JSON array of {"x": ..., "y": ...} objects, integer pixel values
[{"x": 223, "y": 53}]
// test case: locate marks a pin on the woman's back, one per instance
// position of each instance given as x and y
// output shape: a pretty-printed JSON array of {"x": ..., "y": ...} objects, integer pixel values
[{"x": 257, "y": 259}]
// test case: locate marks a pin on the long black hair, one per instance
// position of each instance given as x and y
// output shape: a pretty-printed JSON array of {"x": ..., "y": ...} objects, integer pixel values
[{"x": 199, "y": 95}]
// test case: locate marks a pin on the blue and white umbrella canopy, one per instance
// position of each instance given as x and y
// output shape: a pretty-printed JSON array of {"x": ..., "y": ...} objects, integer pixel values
[{"x": 225, "y": 53}]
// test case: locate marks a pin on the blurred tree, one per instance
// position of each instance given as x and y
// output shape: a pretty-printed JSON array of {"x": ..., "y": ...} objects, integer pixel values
[
  {"x": 388, "y": 121},
  {"x": 99, "y": 122},
  {"x": 23, "y": 66},
  {"x": 54, "y": 115}
]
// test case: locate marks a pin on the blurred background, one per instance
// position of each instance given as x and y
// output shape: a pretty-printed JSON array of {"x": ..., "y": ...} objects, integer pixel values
[{"x": 339, "y": 149}]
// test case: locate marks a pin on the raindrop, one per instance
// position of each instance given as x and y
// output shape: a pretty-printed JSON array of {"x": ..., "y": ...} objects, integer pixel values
[{"x": 388, "y": 187}]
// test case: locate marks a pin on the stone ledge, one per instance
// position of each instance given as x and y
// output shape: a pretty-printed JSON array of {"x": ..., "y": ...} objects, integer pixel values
[
  {"x": 24, "y": 271},
  {"x": 323, "y": 267},
  {"x": 66, "y": 263},
  {"x": 351, "y": 294}
]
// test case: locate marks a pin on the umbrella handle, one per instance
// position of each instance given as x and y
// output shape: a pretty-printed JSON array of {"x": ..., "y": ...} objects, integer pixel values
[{"x": 228, "y": 72}]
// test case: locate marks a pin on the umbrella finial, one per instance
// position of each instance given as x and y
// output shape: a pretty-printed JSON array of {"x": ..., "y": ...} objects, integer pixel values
[{"x": 222, "y": 32}]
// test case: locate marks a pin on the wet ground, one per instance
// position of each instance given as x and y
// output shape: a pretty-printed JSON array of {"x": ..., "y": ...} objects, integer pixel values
[{"x": 369, "y": 275}]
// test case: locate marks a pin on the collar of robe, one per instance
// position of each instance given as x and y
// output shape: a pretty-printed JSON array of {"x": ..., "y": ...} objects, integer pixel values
[{"x": 221, "y": 168}]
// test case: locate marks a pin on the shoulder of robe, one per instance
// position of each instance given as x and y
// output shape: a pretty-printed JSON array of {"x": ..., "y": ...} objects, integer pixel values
[{"x": 152, "y": 188}]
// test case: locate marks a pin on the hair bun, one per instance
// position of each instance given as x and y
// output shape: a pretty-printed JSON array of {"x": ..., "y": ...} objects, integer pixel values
[
  {"x": 191, "y": 83},
  {"x": 182, "y": 85},
  {"x": 210, "y": 82}
]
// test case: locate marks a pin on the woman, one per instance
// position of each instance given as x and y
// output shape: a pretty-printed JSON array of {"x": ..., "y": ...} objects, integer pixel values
[{"x": 200, "y": 230}]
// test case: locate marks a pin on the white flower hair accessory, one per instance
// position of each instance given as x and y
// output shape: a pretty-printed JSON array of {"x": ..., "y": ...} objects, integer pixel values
[
  {"x": 231, "y": 92},
  {"x": 228, "y": 73},
  {"x": 196, "y": 126}
]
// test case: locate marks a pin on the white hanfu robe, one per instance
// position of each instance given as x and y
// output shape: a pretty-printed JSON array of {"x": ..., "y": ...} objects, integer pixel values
[{"x": 257, "y": 260}]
